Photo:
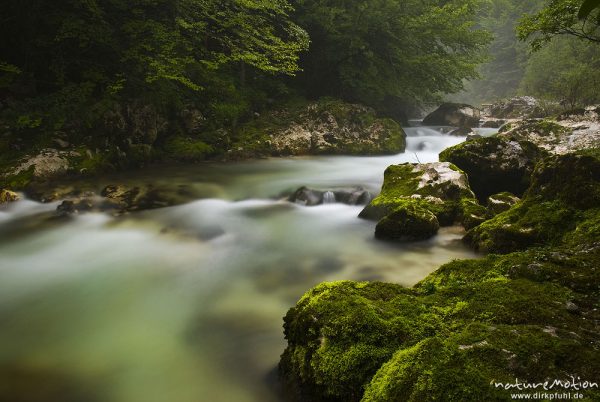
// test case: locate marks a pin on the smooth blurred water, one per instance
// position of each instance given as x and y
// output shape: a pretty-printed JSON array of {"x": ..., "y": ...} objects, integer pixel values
[{"x": 186, "y": 303}]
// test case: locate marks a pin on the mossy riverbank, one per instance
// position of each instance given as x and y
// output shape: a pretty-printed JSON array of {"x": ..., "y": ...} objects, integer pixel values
[{"x": 528, "y": 313}]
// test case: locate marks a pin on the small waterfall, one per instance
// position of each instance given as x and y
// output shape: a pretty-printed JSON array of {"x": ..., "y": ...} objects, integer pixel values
[{"x": 328, "y": 197}]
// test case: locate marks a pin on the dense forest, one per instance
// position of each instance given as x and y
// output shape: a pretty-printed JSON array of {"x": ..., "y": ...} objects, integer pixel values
[
  {"x": 134, "y": 82},
  {"x": 197, "y": 67}
]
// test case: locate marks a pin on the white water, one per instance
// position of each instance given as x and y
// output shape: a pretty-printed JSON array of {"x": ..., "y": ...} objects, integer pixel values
[{"x": 186, "y": 303}]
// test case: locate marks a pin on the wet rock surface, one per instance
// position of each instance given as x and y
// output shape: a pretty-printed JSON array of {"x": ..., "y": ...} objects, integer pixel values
[
  {"x": 454, "y": 114},
  {"x": 311, "y": 197},
  {"x": 495, "y": 164}
]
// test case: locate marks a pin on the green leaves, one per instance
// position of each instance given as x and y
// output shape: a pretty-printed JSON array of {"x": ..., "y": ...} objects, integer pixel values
[
  {"x": 559, "y": 17},
  {"x": 374, "y": 51}
]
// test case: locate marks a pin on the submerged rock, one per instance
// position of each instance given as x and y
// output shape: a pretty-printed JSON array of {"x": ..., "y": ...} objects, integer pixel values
[
  {"x": 495, "y": 164},
  {"x": 454, "y": 114},
  {"x": 311, "y": 197},
  {"x": 7, "y": 196}
]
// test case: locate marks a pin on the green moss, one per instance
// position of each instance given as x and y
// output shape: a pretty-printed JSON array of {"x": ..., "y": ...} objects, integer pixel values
[
  {"x": 470, "y": 322},
  {"x": 495, "y": 164},
  {"x": 560, "y": 205},
  {"x": 187, "y": 149},
  {"x": 18, "y": 181},
  {"x": 472, "y": 213},
  {"x": 543, "y": 128},
  {"x": 408, "y": 223},
  {"x": 532, "y": 314}
]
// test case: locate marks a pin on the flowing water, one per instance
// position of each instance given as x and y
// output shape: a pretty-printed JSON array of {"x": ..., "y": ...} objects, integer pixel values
[{"x": 186, "y": 303}]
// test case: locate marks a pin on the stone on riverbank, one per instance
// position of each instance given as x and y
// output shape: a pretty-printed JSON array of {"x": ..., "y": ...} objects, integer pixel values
[
  {"x": 325, "y": 127},
  {"x": 453, "y": 114},
  {"x": 561, "y": 205},
  {"x": 495, "y": 164},
  {"x": 531, "y": 315}
]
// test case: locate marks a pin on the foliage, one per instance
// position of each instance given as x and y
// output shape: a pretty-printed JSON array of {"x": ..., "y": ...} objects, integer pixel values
[
  {"x": 558, "y": 17},
  {"x": 502, "y": 73},
  {"x": 566, "y": 69},
  {"x": 389, "y": 52},
  {"x": 66, "y": 65}
]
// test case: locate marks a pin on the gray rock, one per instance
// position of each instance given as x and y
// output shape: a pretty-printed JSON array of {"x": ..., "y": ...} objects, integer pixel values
[
  {"x": 311, "y": 197},
  {"x": 454, "y": 114}
]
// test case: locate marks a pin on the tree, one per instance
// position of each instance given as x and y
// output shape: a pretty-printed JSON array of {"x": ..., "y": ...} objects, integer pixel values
[
  {"x": 502, "y": 74},
  {"x": 63, "y": 60},
  {"x": 566, "y": 70},
  {"x": 560, "y": 17},
  {"x": 382, "y": 51}
]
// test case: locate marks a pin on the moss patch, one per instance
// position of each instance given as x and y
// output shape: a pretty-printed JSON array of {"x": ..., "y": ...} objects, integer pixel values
[{"x": 471, "y": 322}]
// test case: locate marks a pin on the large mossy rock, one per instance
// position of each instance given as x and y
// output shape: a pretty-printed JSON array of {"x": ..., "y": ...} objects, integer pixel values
[
  {"x": 495, "y": 164},
  {"x": 517, "y": 108},
  {"x": 531, "y": 315},
  {"x": 439, "y": 188},
  {"x": 407, "y": 223},
  {"x": 556, "y": 137},
  {"x": 561, "y": 204},
  {"x": 325, "y": 127},
  {"x": 453, "y": 114}
]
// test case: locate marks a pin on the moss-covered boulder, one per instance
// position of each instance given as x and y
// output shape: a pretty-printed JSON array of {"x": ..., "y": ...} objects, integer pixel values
[
  {"x": 407, "y": 223},
  {"x": 453, "y": 114},
  {"x": 327, "y": 126},
  {"x": 517, "y": 108},
  {"x": 531, "y": 315},
  {"x": 561, "y": 204},
  {"x": 439, "y": 188},
  {"x": 495, "y": 164}
]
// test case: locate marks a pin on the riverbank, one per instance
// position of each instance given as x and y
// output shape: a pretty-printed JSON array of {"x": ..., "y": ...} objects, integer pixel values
[{"x": 527, "y": 312}]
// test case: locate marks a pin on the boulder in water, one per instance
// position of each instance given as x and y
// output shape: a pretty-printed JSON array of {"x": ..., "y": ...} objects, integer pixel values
[
  {"x": 454, "y": 114},
  {"x": 7, "y": 196},
  {"x": 439, "y": 188},
  {"x": 311, "y": 197},
  {"x": 495, "y": 164},
  {"x": 407, "y": 223}
]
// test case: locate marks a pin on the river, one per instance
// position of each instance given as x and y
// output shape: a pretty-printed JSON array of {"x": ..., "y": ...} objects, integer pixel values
[{"x": 185, "y": 303}]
